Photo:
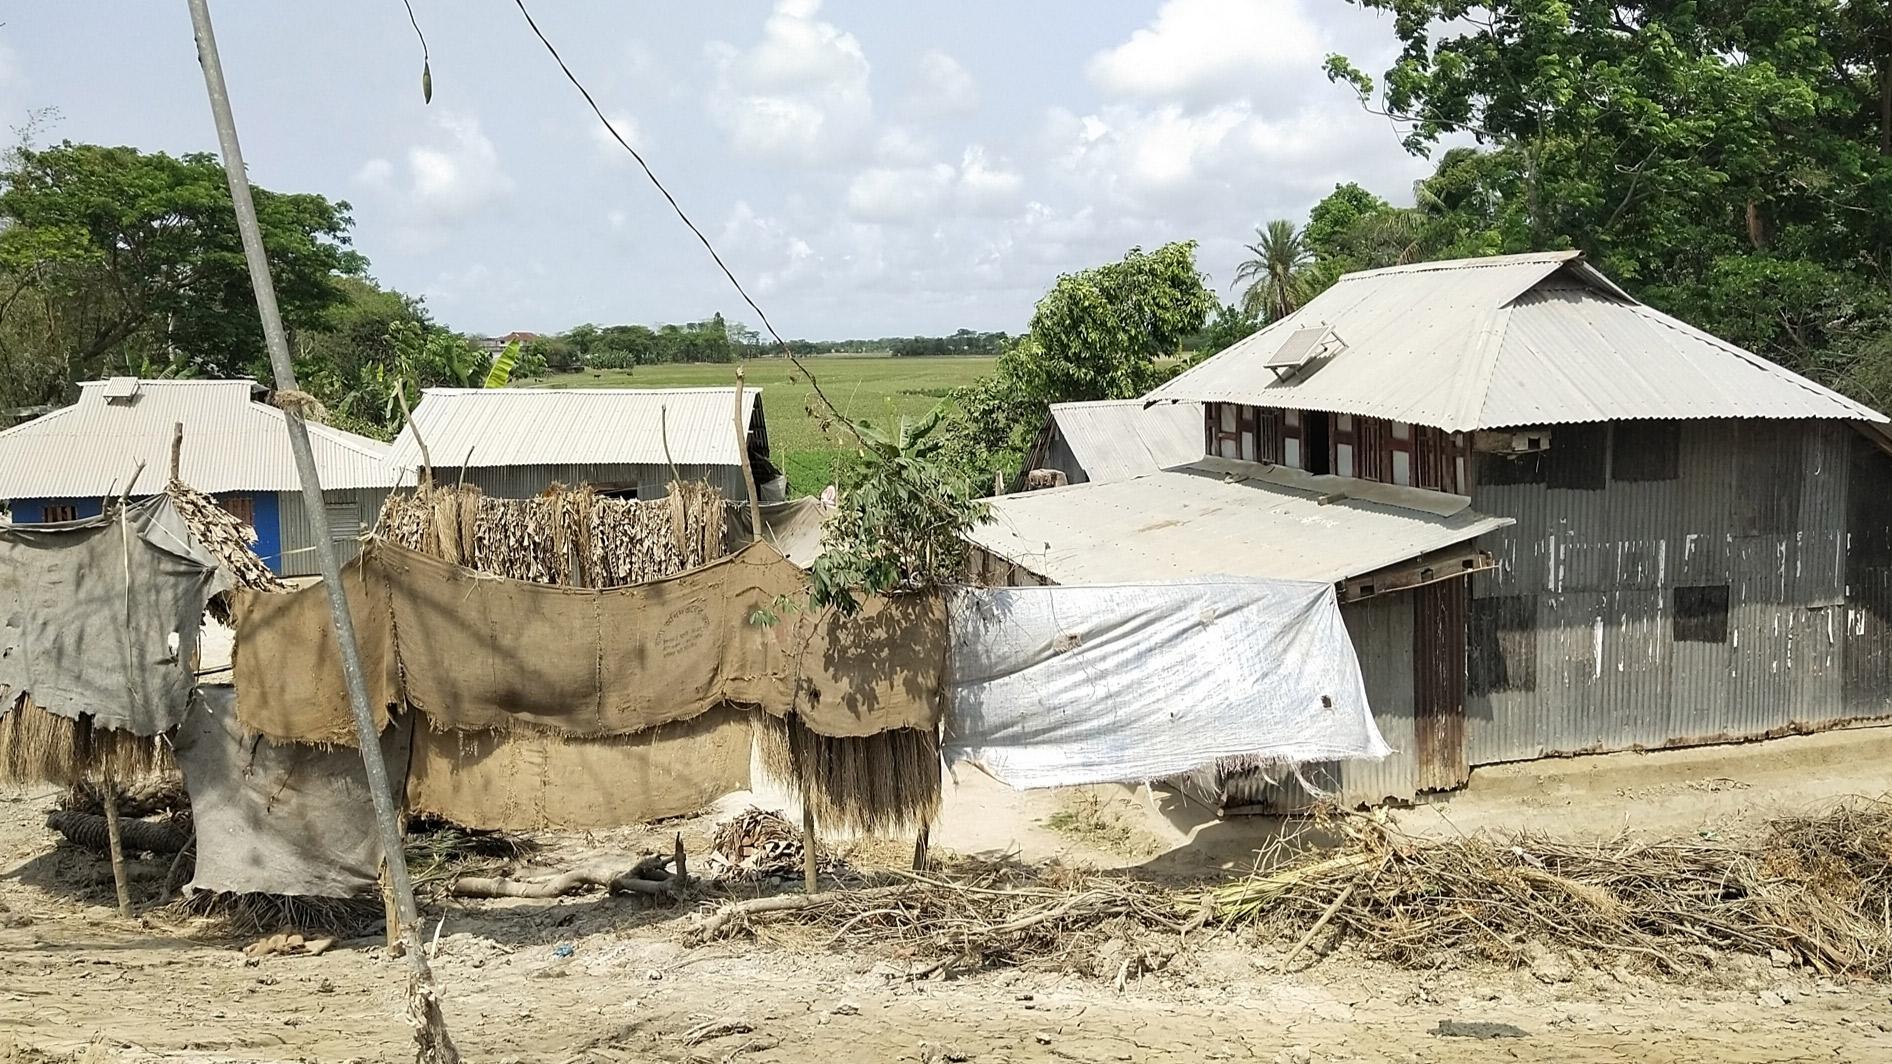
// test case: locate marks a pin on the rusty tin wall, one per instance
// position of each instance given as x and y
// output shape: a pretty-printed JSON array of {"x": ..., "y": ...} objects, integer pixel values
[{"x": 1573, "y": 638}]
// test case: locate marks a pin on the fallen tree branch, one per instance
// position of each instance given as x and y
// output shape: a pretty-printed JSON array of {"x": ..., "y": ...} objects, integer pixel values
[{"x": 647, "y": 876}]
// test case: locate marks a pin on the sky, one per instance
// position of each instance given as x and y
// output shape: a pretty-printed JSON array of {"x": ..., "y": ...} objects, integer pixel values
[{"x": 866, "y": 168}]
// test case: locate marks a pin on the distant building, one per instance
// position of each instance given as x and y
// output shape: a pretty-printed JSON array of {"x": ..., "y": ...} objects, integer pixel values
[
  {"x": 493, "y": 345},
  {"x": 62, "y": 465},
  {"x": 515, "y": 442}
]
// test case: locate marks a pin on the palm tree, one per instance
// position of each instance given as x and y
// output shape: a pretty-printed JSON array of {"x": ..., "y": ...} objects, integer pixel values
[{"x": 1276, "y": 281}]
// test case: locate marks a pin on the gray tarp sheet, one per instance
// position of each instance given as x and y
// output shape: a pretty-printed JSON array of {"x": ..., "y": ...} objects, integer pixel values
[
  {"x": 279, "y": 818},
  {"x": 1065, "y": 686},
  {"x": 100, "y": 616}
]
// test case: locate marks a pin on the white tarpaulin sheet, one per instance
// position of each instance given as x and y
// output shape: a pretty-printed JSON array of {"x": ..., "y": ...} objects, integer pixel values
[{"x": 1065, "y": 686}]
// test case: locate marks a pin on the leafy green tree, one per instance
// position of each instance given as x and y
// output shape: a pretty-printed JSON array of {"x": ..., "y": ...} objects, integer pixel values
[
  {"x": 1109, "y": 332},
  {"x": 1325, "y": 234},
  {"x": 1230, "y": 324},
  {"x": 1099, "y": 333},
  {"x": 901, "y": 517},
  {"x": 1275, "y": 271},
  {"x": 1728, "y": 162},
  {"x": 118, "y": 258}
]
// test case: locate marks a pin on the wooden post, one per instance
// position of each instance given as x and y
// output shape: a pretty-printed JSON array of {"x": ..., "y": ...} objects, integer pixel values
[
  {"x": 808, "y": 878},
  {"x": 755, "y": 508},
  {"x": 177, "y": 448},
  {"x": 120, "y": 879},
  {"x": 921, "y": 842},
  {"x": 683, "y": 866}
]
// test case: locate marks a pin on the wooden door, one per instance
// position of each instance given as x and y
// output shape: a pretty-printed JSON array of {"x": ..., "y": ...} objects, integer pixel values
[{"x": 1439, "y": 684}]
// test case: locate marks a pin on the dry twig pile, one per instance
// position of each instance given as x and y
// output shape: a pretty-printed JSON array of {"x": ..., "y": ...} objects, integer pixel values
[
  {"x": 1818, "y": 888},
  {"x": 758, "y": 844}
]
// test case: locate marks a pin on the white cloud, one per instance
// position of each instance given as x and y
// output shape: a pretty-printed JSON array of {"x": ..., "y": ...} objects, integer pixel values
[
  {"x": 375, "y": 173},
  {"x": 624, "y": 126},
  {"x": 940, "y": 86},
  {"x": 978, "y": 186},
  {"x": 454, "y": 176},
  {"x": 988, "y": 185},
  {"x": 902, "y": 146},
  {"x": 1196, "y": 49},
  {"x": 800, "y": 94}
]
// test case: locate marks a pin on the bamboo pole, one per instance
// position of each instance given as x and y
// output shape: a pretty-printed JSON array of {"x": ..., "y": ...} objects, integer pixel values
[
  {"x": 808, "y": 878},
  {"x": 433, "y": 1045}
]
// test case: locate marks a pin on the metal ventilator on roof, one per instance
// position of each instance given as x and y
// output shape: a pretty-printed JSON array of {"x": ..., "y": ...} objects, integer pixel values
[{"x": 1302, "y": 346}]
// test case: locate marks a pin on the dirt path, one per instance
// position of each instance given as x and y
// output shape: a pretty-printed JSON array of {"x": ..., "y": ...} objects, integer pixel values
[{"x": 76, "y": 985}]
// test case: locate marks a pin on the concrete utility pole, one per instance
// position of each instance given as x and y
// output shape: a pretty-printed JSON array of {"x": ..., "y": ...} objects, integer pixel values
[{"x": 433, "y": 1045}]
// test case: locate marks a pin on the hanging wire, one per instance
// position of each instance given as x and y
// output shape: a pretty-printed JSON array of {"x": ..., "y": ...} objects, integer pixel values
[
  {"x": 426, "y": 66},
  {"x": 833, "y": 410}
]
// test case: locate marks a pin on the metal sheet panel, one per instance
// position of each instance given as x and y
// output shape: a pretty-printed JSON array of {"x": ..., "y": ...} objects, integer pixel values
[
  {"x": 231, "y": 443},
  {"x": 1202, "y": 520},
  {"x": 501, "y": 427},
  {"x": 298, "y": 537},
  {"x": 1610, "y": 674},
  {"x": 1121, "y": 438},
  {"x": 1500, "y": 342},
  {"x": 651, "y": 481}
]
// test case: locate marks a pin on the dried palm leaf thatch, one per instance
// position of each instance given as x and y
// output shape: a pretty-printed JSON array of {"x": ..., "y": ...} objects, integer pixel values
[
  {"x": 264, "y": 914},
  {"x": 41, "y": 747},
  {"x": 228, "y": 539},
  {"x": 874, "y": 785},
  {"x": 570, "y": 536}
]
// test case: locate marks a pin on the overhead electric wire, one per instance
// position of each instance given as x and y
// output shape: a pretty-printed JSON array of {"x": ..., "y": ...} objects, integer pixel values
[{"x": 833, "y": 410}]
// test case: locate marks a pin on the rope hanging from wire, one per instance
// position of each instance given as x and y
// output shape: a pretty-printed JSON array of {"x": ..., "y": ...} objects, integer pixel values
[{"x": 833, "y": 410}]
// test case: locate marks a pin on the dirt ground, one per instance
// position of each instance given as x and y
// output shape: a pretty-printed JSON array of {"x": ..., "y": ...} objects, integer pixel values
[{"x": 77, "y": 984}]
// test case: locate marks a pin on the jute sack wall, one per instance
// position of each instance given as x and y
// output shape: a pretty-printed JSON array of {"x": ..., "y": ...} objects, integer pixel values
[
  {"x": 526, "y": 780},
  {"x": 288, "y": 669},
  {"x": 477, "y": 652}
]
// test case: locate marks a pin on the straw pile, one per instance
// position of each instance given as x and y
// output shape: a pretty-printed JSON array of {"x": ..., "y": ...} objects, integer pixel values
[
  {"x": 874, "y": 785},
  {"x": 41, "y": 747},
  {"x": 1817, "y": 888},
  {"x": 570, "y": 536}
]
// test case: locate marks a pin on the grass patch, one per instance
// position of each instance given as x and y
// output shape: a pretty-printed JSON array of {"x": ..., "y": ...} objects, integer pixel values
[{"x": 874, "y": 388}]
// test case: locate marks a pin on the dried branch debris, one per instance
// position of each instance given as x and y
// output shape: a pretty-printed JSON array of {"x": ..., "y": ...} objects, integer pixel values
[{"x": 1818, "y": 888}]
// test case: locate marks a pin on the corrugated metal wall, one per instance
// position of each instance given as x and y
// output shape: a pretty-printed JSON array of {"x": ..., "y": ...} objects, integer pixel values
[
  {"x": 651, "y": 481},
  {"x": 1574, "y": 637},
  {"x": 298, "y": 539}
]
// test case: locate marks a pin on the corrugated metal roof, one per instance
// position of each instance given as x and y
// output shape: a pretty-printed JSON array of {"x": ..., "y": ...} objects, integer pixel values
[
  {"x": 231, "y": 443},
  {"x": 1114, "y": 439},
  {"x": 1501, "y": 342},
  {"x": 551, "y": 426},
  {"x": 1226, "y": 518}
]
